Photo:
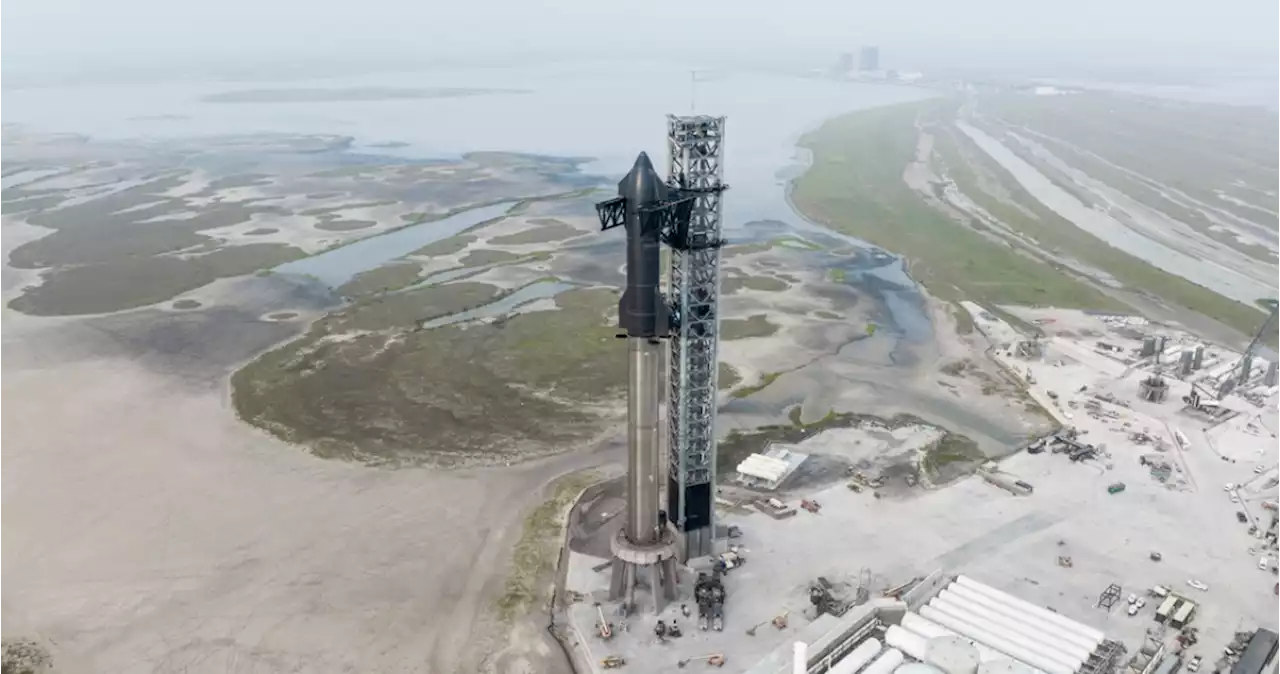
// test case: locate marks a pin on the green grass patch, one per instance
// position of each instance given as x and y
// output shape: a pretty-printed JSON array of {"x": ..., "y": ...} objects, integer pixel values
[
  {"x": 756, "y": 325},
  {"x": 964, "y": 161},
  {"x": 484, "y": 257},
  {"x": 535, "y": 553},
  {"x": 726, "y": 376},
  {"x": 951, "y": 455},
  {"x": 855, "y": 186},
  {"x": 553, "y": 230},
  {"x": 964, "y": 322},
  {"x": 366, "y": 383},
  {"x": 767, "y": 379},
  {"x": 382, "y": 279}
]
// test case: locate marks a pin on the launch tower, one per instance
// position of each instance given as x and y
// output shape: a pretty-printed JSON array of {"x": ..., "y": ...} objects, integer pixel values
[{"x": 695, "y": 146}]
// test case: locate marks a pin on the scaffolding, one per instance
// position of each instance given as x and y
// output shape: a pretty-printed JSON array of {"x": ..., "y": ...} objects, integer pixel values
[
  {"x": 1109, "y": 597},
  {"x": 694, "y": 151}
]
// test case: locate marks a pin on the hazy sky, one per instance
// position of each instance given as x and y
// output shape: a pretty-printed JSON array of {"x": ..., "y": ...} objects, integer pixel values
[{"x": 83, "y": 33}]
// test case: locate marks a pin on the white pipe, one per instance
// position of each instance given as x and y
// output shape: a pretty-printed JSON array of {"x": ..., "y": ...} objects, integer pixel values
[
  {"x": 1005, "y": 640},
  {"x": 931, "y": 630},
  {"x": 800, "y": 659},
  {"x": 1057, "y": 619},
  {"x": 886, "y": 663},
  {"x": 1023, "y": 629},
  {"x": 906, "y": 641},
  {"x": 970, "y": 595},
  {"x": 977, "y": 634},
  {"x": 856, "y": 658}
]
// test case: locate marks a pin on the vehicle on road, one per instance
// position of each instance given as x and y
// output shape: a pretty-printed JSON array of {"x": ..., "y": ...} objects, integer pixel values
[
  {"x": 1197, "y": 585},
  {"x": 1264, "y": 563},
  {"x": 1133, "y": 609},
  {"x": 1133, "y": 599},
  {"x": 1140, "y": 603}
]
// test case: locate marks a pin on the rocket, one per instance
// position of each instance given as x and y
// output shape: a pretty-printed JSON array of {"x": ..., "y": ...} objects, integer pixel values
[{"x": 642, "y": 312}]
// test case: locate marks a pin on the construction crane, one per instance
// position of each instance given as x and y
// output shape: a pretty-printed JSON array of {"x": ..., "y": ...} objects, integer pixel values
[{"x": 1267, "y": 326}]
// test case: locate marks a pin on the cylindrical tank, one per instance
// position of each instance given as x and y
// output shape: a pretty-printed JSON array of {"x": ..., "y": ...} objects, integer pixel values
[
  {"x": 917, "y": 668},
  {"x": 1047, "y": 665},
  {"x": 953, "y": 655},
  {"x": 1002, "y": 639},
  {"x": 906, "y": 641},
  {"x": 970, "y": 595},
  {"x": 858, "y": 657},
  {"x": 1064, "y": 622},
  {"x": 1004, "y": 667},
  {"x": 1026, "y": 629},
  {"x": 929, "y": 630},
  {"x": 886, "y": 663}
]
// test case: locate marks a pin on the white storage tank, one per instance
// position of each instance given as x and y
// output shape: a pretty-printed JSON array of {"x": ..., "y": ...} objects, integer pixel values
[
  {"x": 970, "y": 596},
  {"x": 966, "y": 629},
  {"x": 906, "y": 641},
  {"x": 1021, "y": 628},
  {"x": 929, "y": 629},
  {"x": 1000, "y": 638},
  {"x": 917, "y": 668},
  {"x": 886, "y": 663},
  {"x": 1054, "y": 618},
  {"x": 952, "y": 655},
  {"x": 858, "y": 657},
  {"x": 1004, "y": 667}
]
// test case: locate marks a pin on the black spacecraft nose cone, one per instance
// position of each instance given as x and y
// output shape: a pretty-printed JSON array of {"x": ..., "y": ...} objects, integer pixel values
[{"x": 642, "y": 184}]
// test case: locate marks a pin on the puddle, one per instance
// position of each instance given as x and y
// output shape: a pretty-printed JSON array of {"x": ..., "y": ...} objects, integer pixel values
[
  {"x": 529, "y": 293},
  {"x": 340, "y": 265}
]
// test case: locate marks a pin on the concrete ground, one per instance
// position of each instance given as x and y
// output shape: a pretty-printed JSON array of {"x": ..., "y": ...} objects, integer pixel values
[{"x": 1010, "y": 542}]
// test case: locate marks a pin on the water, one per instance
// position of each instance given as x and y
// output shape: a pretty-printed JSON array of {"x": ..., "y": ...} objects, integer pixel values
[
  {"x": 607, "y": 111},
  {"x": 340, "y": 265},
  {"x": 504, "y": 306}
]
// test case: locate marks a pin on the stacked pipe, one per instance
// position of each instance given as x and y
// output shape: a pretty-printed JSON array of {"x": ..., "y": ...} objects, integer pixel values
[
  {"x": 1010, "y": 626},
  {"x": 858, "y": 657}
]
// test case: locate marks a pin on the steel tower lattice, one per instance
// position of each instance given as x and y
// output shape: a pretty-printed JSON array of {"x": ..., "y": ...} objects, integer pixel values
[{"x": 695, "y": 147}]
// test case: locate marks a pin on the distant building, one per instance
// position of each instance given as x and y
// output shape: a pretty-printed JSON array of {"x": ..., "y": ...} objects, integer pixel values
[
  {"x": 869, "y": 59},
  {"x": 844, "y": 65}
]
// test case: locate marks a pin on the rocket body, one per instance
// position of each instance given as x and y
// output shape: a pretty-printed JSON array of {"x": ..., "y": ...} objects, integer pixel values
[{"x": 642, "y": 312}]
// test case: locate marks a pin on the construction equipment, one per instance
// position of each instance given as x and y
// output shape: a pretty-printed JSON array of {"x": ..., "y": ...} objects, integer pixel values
[
  {"x": 780, "y": 621},
  {"x": 708, "y": 591},
  {"x": 751, "y": 631},
  {"x": 613, "y": 662},
  {"x": 811, "y": 506},
  {"x": 1064, "y": 562},
  {"x": 713, "y": 660},
  {"x": 603, "y": 628},
  {"x": 826, "y": 599}
]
